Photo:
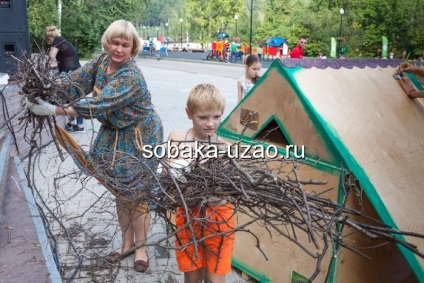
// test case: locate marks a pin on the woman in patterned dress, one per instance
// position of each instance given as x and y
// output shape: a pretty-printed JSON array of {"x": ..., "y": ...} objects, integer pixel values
[{"x": 122, "y": 103}]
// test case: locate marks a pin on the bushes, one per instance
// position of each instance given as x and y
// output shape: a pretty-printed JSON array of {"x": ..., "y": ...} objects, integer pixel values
[{"x": 83, "y": 22}]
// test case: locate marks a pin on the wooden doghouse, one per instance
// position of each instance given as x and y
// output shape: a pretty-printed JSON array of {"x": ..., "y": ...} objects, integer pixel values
[{"x": 355, "y": 122}]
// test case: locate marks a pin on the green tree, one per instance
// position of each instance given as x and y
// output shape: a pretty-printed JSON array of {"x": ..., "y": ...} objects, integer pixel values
[
  {"x": 83, "y": 22},
  {"x": 206, "y": 18},
  {"x": 364, "y": 21},
  {"x": 41, "y": 14},
  {"x": 158, "y": 13}
]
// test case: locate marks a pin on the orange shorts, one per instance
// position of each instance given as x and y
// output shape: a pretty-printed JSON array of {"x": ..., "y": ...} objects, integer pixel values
[{"x": 215, "y": 251}]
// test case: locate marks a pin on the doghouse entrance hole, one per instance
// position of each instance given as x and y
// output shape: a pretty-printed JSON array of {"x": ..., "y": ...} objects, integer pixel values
[{"x": 272, "y": 134}]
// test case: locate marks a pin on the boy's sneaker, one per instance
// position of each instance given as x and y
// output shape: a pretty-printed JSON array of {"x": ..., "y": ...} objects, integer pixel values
[
  {"x": 78, "y": 129},
  {"x": 69, "y": 127}
]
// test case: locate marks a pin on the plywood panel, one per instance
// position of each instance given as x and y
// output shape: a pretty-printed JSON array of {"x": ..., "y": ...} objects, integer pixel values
[
  {"x": 275, "y": 97},
  {"x": 381, "y": 130},
  {"x": 380, "y": 134},
  {"x": 283, "y": 255},
  {"x": 385, "y": 263}
]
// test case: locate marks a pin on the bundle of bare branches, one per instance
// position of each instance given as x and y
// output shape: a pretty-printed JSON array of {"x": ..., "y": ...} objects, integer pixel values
[
  {"x": 272, "y": 194},
  {"x": 36, "y": 79}
]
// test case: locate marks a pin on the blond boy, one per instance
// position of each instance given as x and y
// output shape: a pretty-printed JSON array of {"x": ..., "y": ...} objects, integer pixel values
[{"x": 205, "y": 107}]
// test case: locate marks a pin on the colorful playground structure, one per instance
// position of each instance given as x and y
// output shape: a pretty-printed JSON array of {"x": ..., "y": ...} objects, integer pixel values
[{"x": 274, "y": 48}]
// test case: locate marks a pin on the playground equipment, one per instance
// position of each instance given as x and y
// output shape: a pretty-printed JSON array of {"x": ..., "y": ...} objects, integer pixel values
[{"x": 220, "y": 51}]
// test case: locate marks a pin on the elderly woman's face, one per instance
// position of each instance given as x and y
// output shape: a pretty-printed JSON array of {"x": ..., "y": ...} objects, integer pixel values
[{"x": 120, "y": 50}]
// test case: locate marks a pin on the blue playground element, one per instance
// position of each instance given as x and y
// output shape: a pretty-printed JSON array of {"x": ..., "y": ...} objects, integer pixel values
[{"x": 277, "y": 41}]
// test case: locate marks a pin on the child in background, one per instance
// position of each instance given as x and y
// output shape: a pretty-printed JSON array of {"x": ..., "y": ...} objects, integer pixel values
[
  {"x": 205, "y": 107},
  {"x": 245, "y": 84}
]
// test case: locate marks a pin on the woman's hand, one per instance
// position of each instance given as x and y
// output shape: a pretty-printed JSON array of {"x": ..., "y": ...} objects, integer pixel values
[{"x": 41, "y": 107}]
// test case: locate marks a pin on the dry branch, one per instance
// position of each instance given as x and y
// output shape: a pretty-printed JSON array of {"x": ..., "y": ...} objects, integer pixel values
[{"x": 273, "y": 198}]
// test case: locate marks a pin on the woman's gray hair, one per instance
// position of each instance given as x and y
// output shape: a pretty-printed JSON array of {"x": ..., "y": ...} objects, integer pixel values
[{"x": 123, "y": 29}]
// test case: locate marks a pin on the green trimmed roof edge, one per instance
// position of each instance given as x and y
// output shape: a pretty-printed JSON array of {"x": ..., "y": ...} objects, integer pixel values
[
  {"x": 362, "y": 177},
  {"x": 346, "y": 158},
  {"x": 309, "y": 160},
  {"x": 261, "y": 277}
]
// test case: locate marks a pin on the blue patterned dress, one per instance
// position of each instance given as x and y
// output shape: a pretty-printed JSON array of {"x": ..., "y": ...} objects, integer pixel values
[{"x": 122, "y": 103}]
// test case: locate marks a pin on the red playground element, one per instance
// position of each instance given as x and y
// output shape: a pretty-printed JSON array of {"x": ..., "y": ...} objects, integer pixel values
[{"x": 219, "y": 51}]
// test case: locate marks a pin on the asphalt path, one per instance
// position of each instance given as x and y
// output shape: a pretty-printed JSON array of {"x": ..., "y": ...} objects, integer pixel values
[{"x": 171, "y": 80}]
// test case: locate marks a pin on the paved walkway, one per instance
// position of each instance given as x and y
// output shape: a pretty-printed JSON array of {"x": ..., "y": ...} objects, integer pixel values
[
  {"x": 25, "y": 254},
  {"x": 81, "y": 213}
]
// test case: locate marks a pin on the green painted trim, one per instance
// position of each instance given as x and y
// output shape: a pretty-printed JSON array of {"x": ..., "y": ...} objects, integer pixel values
[
  {"x": 296, "y": 277},
  {"x": 334, "y": 268},
  {"x": 342, "y": 156},
  {"x": 366, "y": 184},
  {"x": 259, "y": 82},
  {"x": 382, "y": 211},
  {"x": 288, "y": 74},
  {"x": 280, "y": 125},
  {"x": 309, "y": 160},
  {"x": 414, "y": 81},
  {"x": 259, "y": 276},
  {"x": 341, "y": 192}
]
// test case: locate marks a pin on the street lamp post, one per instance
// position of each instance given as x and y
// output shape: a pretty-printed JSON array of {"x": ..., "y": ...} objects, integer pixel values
[
  {"x": 251, "y": 24},
  {"x": 157, "y": 32},
  {"x": 236, "y": 18},
  {"x": 144, "y": 30},
  {"x": 340, "y": 33},
  {"x": 181, "y": 23},
  {"x": 221, "y": 29},
  {"x": 167, "y": 34}
]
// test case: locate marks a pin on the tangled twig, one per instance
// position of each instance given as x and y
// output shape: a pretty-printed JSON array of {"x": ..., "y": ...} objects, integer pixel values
[{"x": 275, "y": 198}]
